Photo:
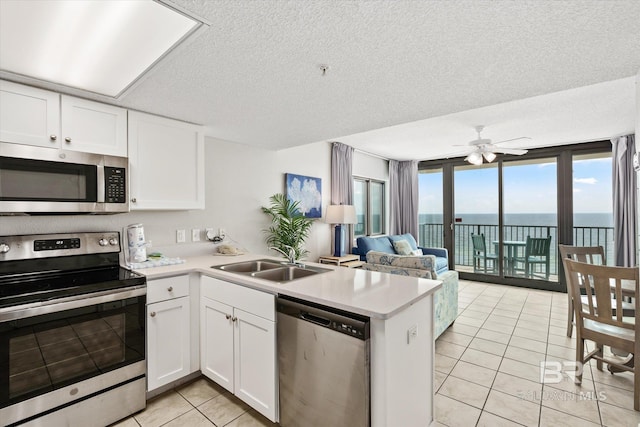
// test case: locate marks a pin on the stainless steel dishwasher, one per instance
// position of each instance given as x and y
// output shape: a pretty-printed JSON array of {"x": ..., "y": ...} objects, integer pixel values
[{"x": 323, "y": 361}]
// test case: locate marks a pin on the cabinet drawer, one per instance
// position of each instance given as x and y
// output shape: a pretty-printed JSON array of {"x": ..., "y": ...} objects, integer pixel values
[
  {"x": 256, "y": 302},
  {"x": 167, "y": 288}
]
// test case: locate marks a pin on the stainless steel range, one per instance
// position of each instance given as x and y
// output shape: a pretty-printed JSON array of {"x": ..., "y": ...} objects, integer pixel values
[{"x": 72, "y": 331}]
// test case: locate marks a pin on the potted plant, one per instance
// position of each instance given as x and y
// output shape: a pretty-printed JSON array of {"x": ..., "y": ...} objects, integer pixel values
[{"x": 289, "y": 228}]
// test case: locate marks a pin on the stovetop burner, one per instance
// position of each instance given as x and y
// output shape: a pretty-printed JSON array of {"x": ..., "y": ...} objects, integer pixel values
[
  {"x": 37, "y": 268},
  {"x": 29, "y": 288}
]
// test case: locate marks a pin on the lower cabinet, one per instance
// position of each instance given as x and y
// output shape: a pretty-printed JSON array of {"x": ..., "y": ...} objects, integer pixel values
[
  {"x": 238, "y": 342},
  {"x": 168, "y": 330}
]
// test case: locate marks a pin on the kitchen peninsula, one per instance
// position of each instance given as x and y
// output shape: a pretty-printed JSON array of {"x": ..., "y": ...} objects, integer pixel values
[{"x": 401, "y": 327}]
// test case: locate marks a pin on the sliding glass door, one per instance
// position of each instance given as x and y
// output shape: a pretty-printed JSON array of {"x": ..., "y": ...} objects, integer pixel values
[
  {"x": 545, "y": 197},
  {"x": 476, "y": 218},
  {"x": 530, "y": 219}
]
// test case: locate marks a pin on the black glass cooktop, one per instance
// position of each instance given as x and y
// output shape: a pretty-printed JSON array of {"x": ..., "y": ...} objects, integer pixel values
[{"x": 25, "y": 287}]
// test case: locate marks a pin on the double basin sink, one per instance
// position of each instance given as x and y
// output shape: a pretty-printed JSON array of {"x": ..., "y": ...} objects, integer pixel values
[{"x": 269, "y": 269}]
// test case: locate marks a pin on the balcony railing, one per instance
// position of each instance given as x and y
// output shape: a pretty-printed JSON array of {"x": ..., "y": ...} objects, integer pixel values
[{"x": 431, "y": 235}]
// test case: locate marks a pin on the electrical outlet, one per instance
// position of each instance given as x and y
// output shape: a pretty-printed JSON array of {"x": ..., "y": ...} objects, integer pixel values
[
  {"x": 195, "y": 235},
  {"x": 412, "y": 333},
  {"x": 181, "y": 236},
  {"x": 209, "y": 233}
]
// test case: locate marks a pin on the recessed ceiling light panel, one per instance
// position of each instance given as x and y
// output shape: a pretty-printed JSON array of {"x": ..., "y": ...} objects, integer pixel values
[{"x": 100, "y": 46}]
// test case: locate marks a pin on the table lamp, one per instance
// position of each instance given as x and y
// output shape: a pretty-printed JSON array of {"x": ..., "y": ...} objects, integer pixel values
[{"x": 340, "y": 214}]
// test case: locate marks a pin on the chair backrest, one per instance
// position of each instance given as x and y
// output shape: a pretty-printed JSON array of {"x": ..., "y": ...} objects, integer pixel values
[
  {"x": 538, "y": 246},
  {"x": 479, "y": 245},
  {"x": 588, "y": 254},
  {"x": 599, "y": 283}
]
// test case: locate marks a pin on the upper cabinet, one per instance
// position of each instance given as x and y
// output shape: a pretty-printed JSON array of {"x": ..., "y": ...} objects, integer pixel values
[
  {"x": 93, "y": 127},
  {"x": 32, "y": 116},
  {"x": 29, "y": 116},
  {"x": 166, "y": 163}
]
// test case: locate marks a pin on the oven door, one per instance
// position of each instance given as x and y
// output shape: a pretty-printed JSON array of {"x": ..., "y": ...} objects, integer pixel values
[{"x": 57, "y": 353}]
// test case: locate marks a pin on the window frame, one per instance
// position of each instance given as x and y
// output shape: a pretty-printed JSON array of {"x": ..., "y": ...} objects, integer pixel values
[{"x": 368, "y": 207}]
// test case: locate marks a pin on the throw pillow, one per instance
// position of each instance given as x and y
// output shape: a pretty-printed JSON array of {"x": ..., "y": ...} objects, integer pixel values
[
  {"x": 417, "y": 252},
  {"x": 402, "y": 247}
]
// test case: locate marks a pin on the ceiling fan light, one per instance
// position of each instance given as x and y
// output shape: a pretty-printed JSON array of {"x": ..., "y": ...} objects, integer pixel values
[
  {"x": 474, "y": 158},
  {"x": 489, "y": 156}
]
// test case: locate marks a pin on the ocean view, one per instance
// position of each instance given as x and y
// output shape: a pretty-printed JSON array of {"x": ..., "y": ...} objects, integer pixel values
[{"x": 579, "y": 220}]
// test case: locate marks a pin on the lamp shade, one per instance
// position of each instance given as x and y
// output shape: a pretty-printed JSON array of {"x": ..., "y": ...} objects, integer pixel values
[
  {"x": 489, "y": 156},
  {"x": 474, "y": 158},
  {"x": 341, "y": 214}
]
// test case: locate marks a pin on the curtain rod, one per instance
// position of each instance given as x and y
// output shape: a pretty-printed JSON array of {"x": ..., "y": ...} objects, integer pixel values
[{"x": 370, "y": 154}]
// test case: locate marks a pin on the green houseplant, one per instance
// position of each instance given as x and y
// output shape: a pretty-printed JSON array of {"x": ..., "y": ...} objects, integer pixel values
[{"x": 289, "y": 228}]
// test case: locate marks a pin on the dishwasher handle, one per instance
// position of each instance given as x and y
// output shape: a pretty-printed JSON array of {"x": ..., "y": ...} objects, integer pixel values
[{"x": 304, "y": 315}]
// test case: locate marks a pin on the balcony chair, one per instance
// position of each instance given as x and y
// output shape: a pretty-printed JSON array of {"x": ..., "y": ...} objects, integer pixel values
[
  {"x": 597, "y": 321},
  {"x": 536, "y": 252},
  {"x": 480, "y": 255},
  {"x": 588, "y": 254}
]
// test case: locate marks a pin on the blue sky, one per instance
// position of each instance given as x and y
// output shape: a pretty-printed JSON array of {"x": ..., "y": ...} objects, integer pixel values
[{"x": 529, "y": 188}]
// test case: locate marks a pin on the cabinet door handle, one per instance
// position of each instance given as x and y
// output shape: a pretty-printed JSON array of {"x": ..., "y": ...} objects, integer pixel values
[
  {"x": 170, "y": 288},
  {"x": 233, "y": 319},
  {"x": 53, "y": 137},
  {"x": 67, "y": 139},
  {"x": 152, "y": 314},
  {"x": 134, "y": 200},
  {"x": 228, "y": 316}
]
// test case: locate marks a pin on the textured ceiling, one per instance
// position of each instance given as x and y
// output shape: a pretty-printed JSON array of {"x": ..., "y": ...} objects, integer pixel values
[{"x": 253, "y": 77}]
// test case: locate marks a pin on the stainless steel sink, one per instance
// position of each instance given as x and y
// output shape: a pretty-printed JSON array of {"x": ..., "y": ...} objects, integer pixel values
[
  {"x": 250, "y": 266},
  {"x": 268, "y": 269},
  {"x": 285, "y": 274}
]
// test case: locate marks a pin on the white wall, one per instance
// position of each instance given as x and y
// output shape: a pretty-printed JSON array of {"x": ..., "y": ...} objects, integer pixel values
[{"x": 239, "y": 180}]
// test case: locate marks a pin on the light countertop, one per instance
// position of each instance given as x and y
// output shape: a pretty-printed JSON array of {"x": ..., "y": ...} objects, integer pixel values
[{"x": 369, "y": 293}]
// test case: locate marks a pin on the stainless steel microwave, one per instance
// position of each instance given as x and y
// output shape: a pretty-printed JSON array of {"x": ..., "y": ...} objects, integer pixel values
[{"x": 35, "y": 180}]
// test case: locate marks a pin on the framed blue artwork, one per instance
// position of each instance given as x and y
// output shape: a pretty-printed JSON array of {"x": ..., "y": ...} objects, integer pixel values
[{"x": 307, "y": 191}]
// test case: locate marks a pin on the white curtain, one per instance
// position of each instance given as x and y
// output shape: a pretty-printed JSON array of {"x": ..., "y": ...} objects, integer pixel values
[
  {"x": 624, "y": 201},
  {"x": 403, "y": 182}
]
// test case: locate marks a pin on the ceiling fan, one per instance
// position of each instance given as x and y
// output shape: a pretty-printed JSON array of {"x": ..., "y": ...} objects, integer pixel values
[{"x": 482, "y": 147}]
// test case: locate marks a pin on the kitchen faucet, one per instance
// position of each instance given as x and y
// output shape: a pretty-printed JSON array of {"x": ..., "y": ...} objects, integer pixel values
[{"x": 290, "y": 255}]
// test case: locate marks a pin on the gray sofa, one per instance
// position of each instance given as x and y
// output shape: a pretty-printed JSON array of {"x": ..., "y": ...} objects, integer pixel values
[{"x": 445, "y": 299}]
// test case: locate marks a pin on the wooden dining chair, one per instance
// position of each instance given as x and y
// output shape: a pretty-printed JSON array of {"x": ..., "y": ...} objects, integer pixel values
[
  {"x": 588, "y": 254},
  {"x": 536, "y": 252},
  {"x": 481, "y": 256},
  {"x": 601, "y": 319}
]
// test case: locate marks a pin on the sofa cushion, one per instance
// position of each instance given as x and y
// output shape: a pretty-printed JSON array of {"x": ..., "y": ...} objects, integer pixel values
[
  {"x": 407, "y": 236},
  {"x": 425, "y": 262},
  {"x": 442, "y": 264},
  {"x": 401, "y": 271},
  {"x": 379, "y": 244},
  {"x": 402, "y": 247}
]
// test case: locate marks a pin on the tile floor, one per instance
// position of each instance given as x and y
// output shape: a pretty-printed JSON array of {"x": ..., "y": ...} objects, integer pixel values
[
  {"x": 487, "y": 373},
  {"x": 488, "y": 365},
  {"x": 200, "y": 403}
]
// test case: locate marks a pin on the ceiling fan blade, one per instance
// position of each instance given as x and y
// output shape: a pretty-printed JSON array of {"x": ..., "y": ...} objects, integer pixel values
[
  {"x": 514, "y": 151},
  {"x": 513, "y": 139}
]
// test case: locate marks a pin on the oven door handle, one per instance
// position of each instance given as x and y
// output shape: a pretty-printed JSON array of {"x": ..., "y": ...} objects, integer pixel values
[{"x": 69, "y": 303}]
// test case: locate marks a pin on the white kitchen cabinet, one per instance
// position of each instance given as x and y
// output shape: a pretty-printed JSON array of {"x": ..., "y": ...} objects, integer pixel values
[
  {"x": 166, "y": 163},
  {"x": 92, "y": 127},
  {"x": 168, "y": 330},
  {"x": 32, "y": 116},
  {"x": 238, "y": 342},
  {"x": 29, "y": 115}
]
